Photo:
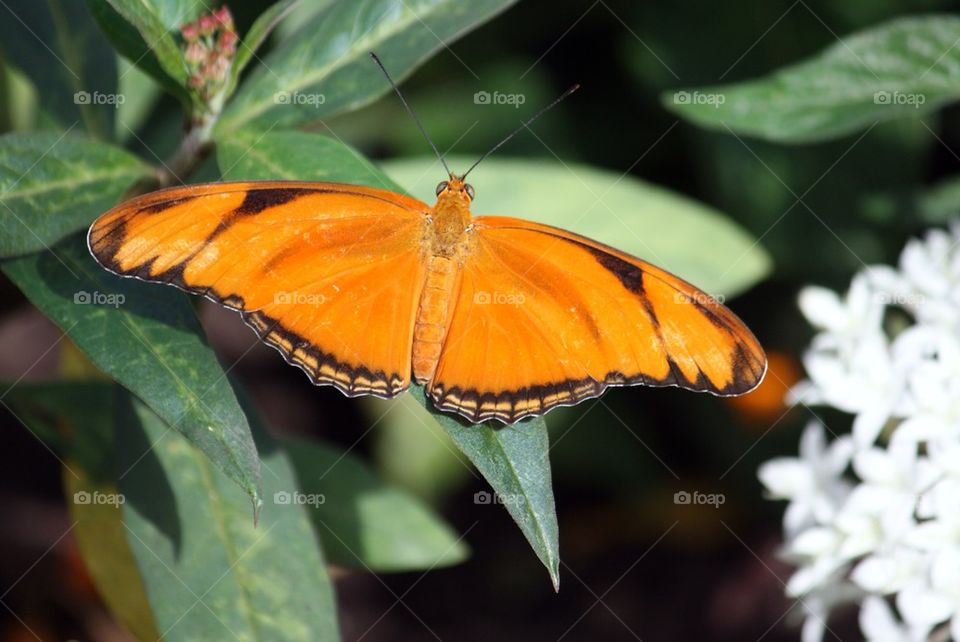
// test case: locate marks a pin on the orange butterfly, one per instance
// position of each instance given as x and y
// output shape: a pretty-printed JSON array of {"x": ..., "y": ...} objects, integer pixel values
[{"x": 366, "y": 289}]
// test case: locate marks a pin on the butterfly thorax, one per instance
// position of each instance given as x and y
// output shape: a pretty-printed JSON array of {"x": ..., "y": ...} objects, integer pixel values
[
  {"x": 448, "y": 239},
  {"x": 450, "y": 218}
]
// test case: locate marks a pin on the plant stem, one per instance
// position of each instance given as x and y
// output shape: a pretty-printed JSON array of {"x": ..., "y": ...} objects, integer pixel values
[
  {"x": 192, "y": 151},
  {"x": 196, "y": 144}
]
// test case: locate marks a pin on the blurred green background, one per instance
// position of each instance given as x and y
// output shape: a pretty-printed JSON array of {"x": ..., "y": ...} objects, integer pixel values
[{"x": 635, "y": 564}]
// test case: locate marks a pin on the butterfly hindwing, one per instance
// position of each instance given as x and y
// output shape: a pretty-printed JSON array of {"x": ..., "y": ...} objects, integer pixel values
[
  {"x": 545, "y": 317},
  {"x": 328, "y": 274}
]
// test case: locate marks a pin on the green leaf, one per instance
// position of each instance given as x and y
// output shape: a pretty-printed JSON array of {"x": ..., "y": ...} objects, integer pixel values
[
  {"x": 325, "y": 68},
  {"x": 255, "y": 155},
  {"x": 210, "y": 572},
  {"x": 365, "y": 523},
  {"x": 903, "y": 67},
  {"x": 143, "y": 32},
  {"x": 515, "y": 461},
  {"x": 690, "y": 239},
  {"x": 53, "y": 184},
  {"x": 302, "y": 12},
  {"x": 73, "y": 67},
  {"x": 148, "y": 339},
  {"x": 259, "y": 31}
]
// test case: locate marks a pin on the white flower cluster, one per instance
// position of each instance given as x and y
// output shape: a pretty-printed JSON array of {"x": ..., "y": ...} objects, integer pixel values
[{"x": 874, "y": 516}]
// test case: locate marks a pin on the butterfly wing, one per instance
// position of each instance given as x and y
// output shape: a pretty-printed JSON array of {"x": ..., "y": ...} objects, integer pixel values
[
  {"x": 545, "y": 317},
  {"x": 328, "y": 274}
]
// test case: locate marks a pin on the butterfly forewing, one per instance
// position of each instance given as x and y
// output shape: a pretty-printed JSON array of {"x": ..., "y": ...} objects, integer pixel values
[
  {"x": 328, "y": 274},
  {"x": 545, "y": 318}
]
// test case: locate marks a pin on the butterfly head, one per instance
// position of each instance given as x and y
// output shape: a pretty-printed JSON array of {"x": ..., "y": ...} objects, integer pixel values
[{"x": 455, "y": 187}]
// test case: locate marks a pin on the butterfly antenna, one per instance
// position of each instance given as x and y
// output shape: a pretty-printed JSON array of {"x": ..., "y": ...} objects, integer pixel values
[
  {"x": 522, "y": 126},
  {"x": 410, "y": 110}
]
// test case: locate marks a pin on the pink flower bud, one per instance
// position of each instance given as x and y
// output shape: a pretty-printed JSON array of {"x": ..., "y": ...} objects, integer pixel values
[
  {"x": 227, "y": 44},
  {"x": 223, "y": 16},
  {"x": 196, "y": 52},
  {"x": 190, "y": 31},
  {"x": 207, "y": 25}
]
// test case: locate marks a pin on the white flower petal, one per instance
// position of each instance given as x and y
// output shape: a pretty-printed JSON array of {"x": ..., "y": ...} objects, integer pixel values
[
  {"x": 884, "y": 574},
  {"x": 813, "y": 441},
  {"x": 786, "y": 477},
  {"x": 920, "y": 605},
  {"x": 877, "y": 621},
  {"x": 813, "y": 629},
  {"x": 815, "y": 541},
  {"x": 876, "y": 466},
  {"x": 823, "y": 308},
  {"x": 945, "y": 574},
  {"x": 839, "y": 454},
  {"x": 813, "y": 576}
]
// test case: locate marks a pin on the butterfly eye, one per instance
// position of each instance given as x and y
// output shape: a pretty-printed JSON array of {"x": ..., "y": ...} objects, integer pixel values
[
  {"x": 469, "y": 189},
  {"x": 442, "y": 186}
]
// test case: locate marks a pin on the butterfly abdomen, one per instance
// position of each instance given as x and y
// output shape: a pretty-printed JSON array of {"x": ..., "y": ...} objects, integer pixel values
[{"x": 433, "y": 316}]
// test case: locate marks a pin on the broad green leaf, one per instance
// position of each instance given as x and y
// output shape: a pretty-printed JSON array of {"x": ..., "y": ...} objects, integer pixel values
[
  {"x": 210, "y": 572},
  {"x": 157, "y": 21},
  {"x": 907, "y": 66},
  {"x": 365, "y": 523},
  {"x": 515, "y": 461},
  {"x": 73, "y": 67},
  {"x": 302, "y": 12},
  {"x": 51, "y": 185},
  {"x": 144, "y": 32},
  {"x": 691, "y": 239},
  {"x": 148, "y": 339},
  {"x": 303, "y": 156},
  {"x": 325, "y": 67},
  {"x": 259, "y": 31}
]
